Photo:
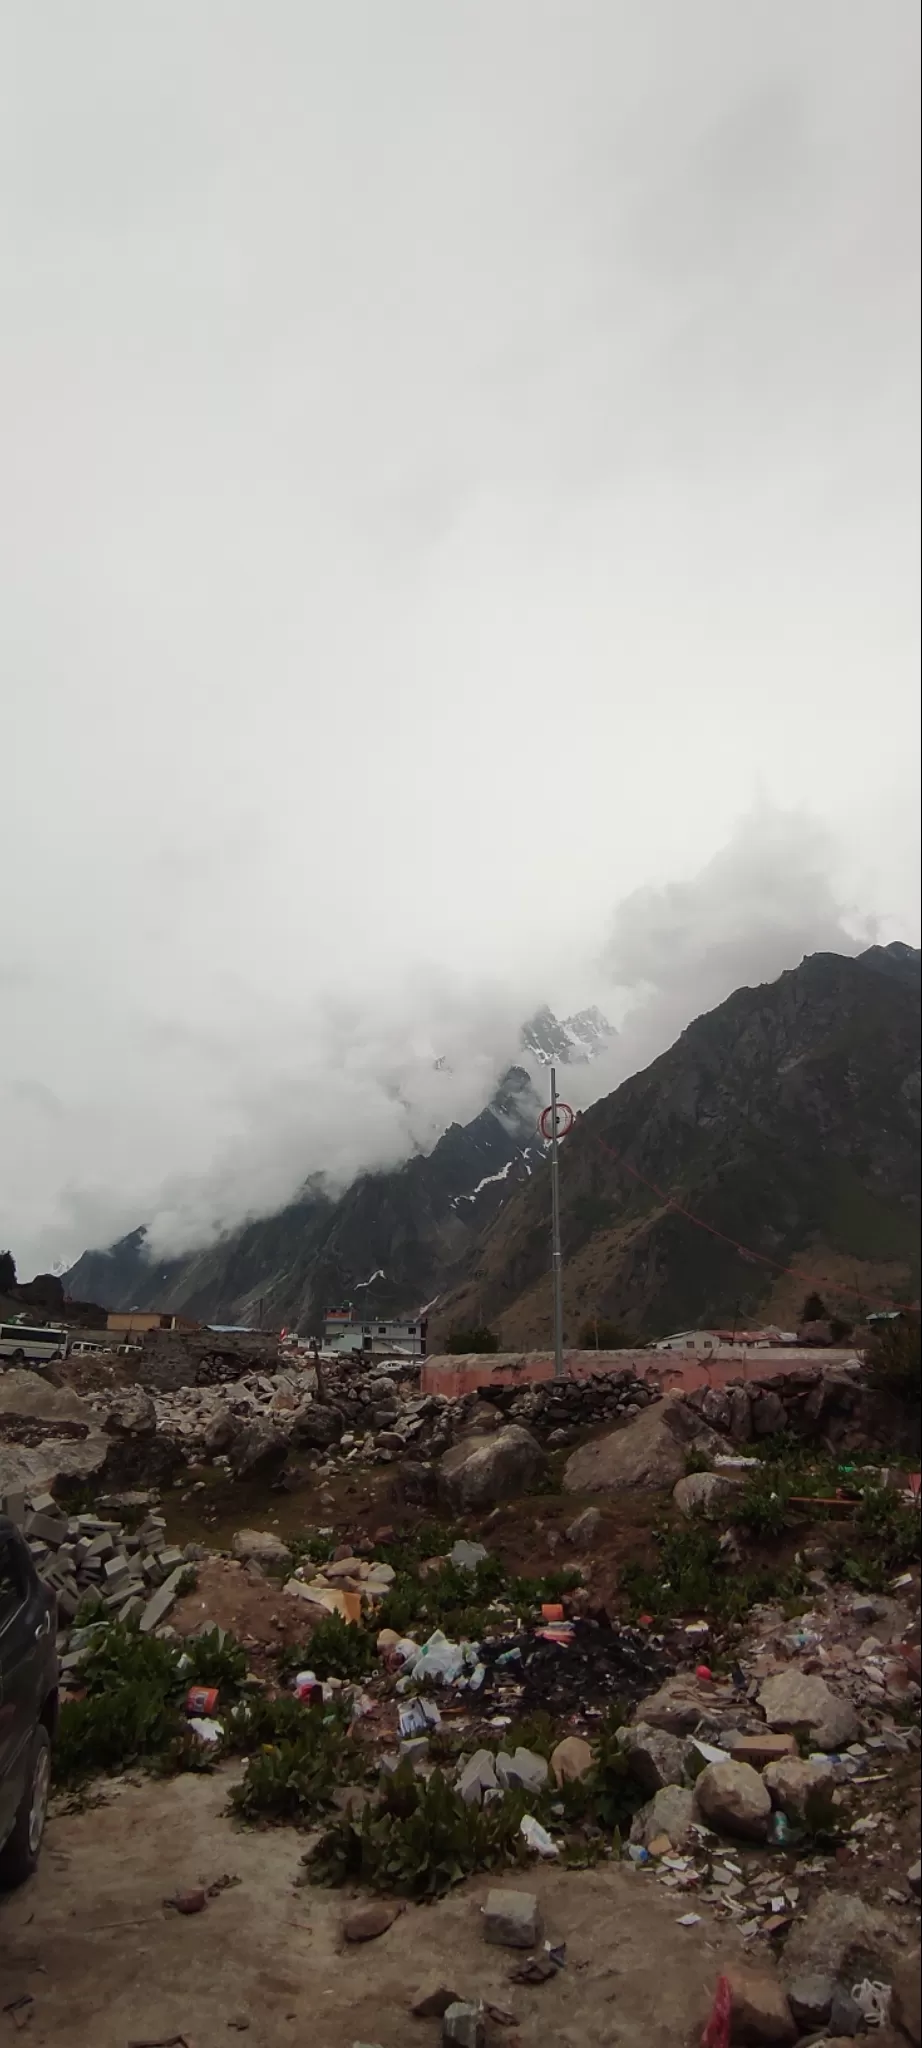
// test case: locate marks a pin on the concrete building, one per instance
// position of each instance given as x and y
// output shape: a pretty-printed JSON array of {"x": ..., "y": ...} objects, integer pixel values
[
  {"x": 344, "y": 1330},
  {"x": 715, "y": 1343},
  {"x": 138, "y": 1322}
]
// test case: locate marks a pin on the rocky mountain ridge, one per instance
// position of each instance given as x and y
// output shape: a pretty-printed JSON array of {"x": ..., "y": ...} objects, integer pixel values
[
  {"x": 387, "y": 1241},
  {"x": 786, "y": 1120}
]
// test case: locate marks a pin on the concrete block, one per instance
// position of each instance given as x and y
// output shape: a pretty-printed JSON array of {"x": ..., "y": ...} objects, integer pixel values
[
  {"x": 759, "y": 1750},
  {"x": 47, "y": 1528},
  {"x": 45, "y": 1504},
  {"x": 464, "y": 2025},
  {"x": 169, "y": 1558},
  {"x": 158, "y": 1607},
  {"x": 512, "y": 1919}
]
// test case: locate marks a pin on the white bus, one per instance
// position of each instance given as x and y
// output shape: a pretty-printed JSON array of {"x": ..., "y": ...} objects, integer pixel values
[{"x": 25, "y": 1343}]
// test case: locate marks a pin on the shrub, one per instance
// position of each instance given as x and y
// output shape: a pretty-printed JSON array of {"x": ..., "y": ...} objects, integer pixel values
[
  {"x": 761, "y": 1506},
  {"x": 338, "y": 1649},
  {"x": 295, "y": 1779},
  {"x": 208, "y": 1661},
  {"x": 418, "y": 1838},
  {"x": 133, "y": 1708},
  {"x": 477, "y": 1339},
  {"x": 893, "y": 1360},
  {"x": 600, "y": 1333}
]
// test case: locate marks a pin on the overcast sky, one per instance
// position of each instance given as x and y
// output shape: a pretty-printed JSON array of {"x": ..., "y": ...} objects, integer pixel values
[{"x": 457, "y": 471}]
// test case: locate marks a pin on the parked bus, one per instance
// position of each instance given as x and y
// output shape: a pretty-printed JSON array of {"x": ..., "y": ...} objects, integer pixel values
[{"x": 25, "y": 1343}]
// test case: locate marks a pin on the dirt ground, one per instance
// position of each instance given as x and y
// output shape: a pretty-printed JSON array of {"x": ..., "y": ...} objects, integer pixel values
[
  {"x": 255, "y": 1610},
  {"x": 107, "y": 1964}
]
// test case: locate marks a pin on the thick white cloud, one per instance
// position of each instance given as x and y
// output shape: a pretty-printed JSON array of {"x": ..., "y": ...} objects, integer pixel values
[{"x": 454, "y": 462}]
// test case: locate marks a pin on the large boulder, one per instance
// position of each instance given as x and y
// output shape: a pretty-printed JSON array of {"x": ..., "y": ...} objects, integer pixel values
[
  {"x": 759, "y": 2009},
  {"x": 906, "y": 2007},
  {"x": 656, "y": 1757},
  {"x": 130, "y": 1413},
  {"x": 839, "y": 1937},
  {"x": 732, "y": 1798},
  {"x": 221, "y": 1432},
  {"x": 48, "y": 1435},
  {"x": 261, "y": 1546},
  {"x": 699, "y": 1491},
  {"x": 485, "y": 1469},
  {"x": 677, "y": 1706},
  {"x": 138, "y": 1452},
  {"x": 670, "y": 1812},
  {"x": 792, "y": 1779},
  {"x": 650, "y": 1452},
  {"x": 258, "y": 1448},
  {"x": 317, "y": 1425},
  {"x": 795, "y": 1699}
]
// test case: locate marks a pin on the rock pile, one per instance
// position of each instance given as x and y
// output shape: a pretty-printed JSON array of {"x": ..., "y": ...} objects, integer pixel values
[
  {"x": 77, "y": 1556},
  {"x": 809, "y": 1401}
]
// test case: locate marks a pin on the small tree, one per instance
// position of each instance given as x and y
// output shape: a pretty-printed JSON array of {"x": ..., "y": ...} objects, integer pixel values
[
  {"x": 814, "y": 1310},
  {"x": 7, "y": 1272},
  {"x": 893, "y": 1360},
  {"x": 477, "y": 1339},
  {"x": 600, "y": 1333}
]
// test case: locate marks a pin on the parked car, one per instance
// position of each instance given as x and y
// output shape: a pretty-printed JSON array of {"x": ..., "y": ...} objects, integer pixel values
[{"x": 28, "y": 1704}]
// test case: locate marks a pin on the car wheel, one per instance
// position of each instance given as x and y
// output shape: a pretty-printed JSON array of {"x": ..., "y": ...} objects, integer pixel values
[{"x": 20, "y": 1856}]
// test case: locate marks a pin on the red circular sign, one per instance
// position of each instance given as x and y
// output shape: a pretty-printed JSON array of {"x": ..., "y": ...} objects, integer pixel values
[{"x": 564, "y": 1121}]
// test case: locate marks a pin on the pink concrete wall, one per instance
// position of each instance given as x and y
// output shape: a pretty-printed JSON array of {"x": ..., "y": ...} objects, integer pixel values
[{"x": 462, "y": 1375}]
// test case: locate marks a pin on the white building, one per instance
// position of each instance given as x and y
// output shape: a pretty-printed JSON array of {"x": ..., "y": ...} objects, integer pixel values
[
  {"x": 344, "y": 1330},
  {"x": 714, "y": 1343}
]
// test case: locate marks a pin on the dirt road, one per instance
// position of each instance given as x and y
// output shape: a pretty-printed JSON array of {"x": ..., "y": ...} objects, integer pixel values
[{"x": 107, "y": 1964}]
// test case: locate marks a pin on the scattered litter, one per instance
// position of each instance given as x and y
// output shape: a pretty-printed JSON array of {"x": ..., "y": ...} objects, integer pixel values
[
  {"x": 689, "y": 1920},
  {"x": 418, "y": 1716},
  {"x": 205, "y": 1728},
  {"x": 537, "y": 1970},
  {"x": 709, "y": 1751},
  {"x": 201, "y": 1699},
  {"x": 873, "y": 2001},
  {"x": 537, "y": 1837},
  {"x": 468, "y": 1555}
]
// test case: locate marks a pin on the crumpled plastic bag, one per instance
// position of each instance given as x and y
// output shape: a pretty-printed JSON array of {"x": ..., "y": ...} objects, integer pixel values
[
  {"x": 537, "y": 1837},
  {"x": 873, "y": 1998}
]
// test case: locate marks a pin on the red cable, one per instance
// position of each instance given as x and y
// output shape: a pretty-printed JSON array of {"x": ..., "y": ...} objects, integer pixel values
[{"x": 762, "y": 1258}]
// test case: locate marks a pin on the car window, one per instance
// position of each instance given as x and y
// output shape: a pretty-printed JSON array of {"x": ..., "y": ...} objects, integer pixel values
[{"x": 12, "y": 1580}]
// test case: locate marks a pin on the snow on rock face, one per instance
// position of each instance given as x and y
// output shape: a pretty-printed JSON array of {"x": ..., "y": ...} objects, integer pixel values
[{"x": 570, "y": 1043}]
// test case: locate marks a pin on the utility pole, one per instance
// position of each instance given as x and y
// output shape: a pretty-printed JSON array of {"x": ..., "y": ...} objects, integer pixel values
[{"x": 554, "y": 1123}]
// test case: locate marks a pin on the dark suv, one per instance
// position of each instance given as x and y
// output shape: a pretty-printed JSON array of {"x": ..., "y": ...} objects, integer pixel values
[{"x": 28, "y": 1704}]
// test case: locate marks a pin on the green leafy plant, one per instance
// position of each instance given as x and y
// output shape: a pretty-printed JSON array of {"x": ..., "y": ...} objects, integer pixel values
[
  {"x": 609, "y": 1795},
  {"x": 295, "y": 1778},
  {"x": 418, "y": 1838},
  {"x": 311, "y": 1548},
  {"x": 211, "y": 1662},
  {"x": 133, "y": 1705},
  {"x": 337, "y": 1649},
  {"x": 761, "y": 1506}
]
